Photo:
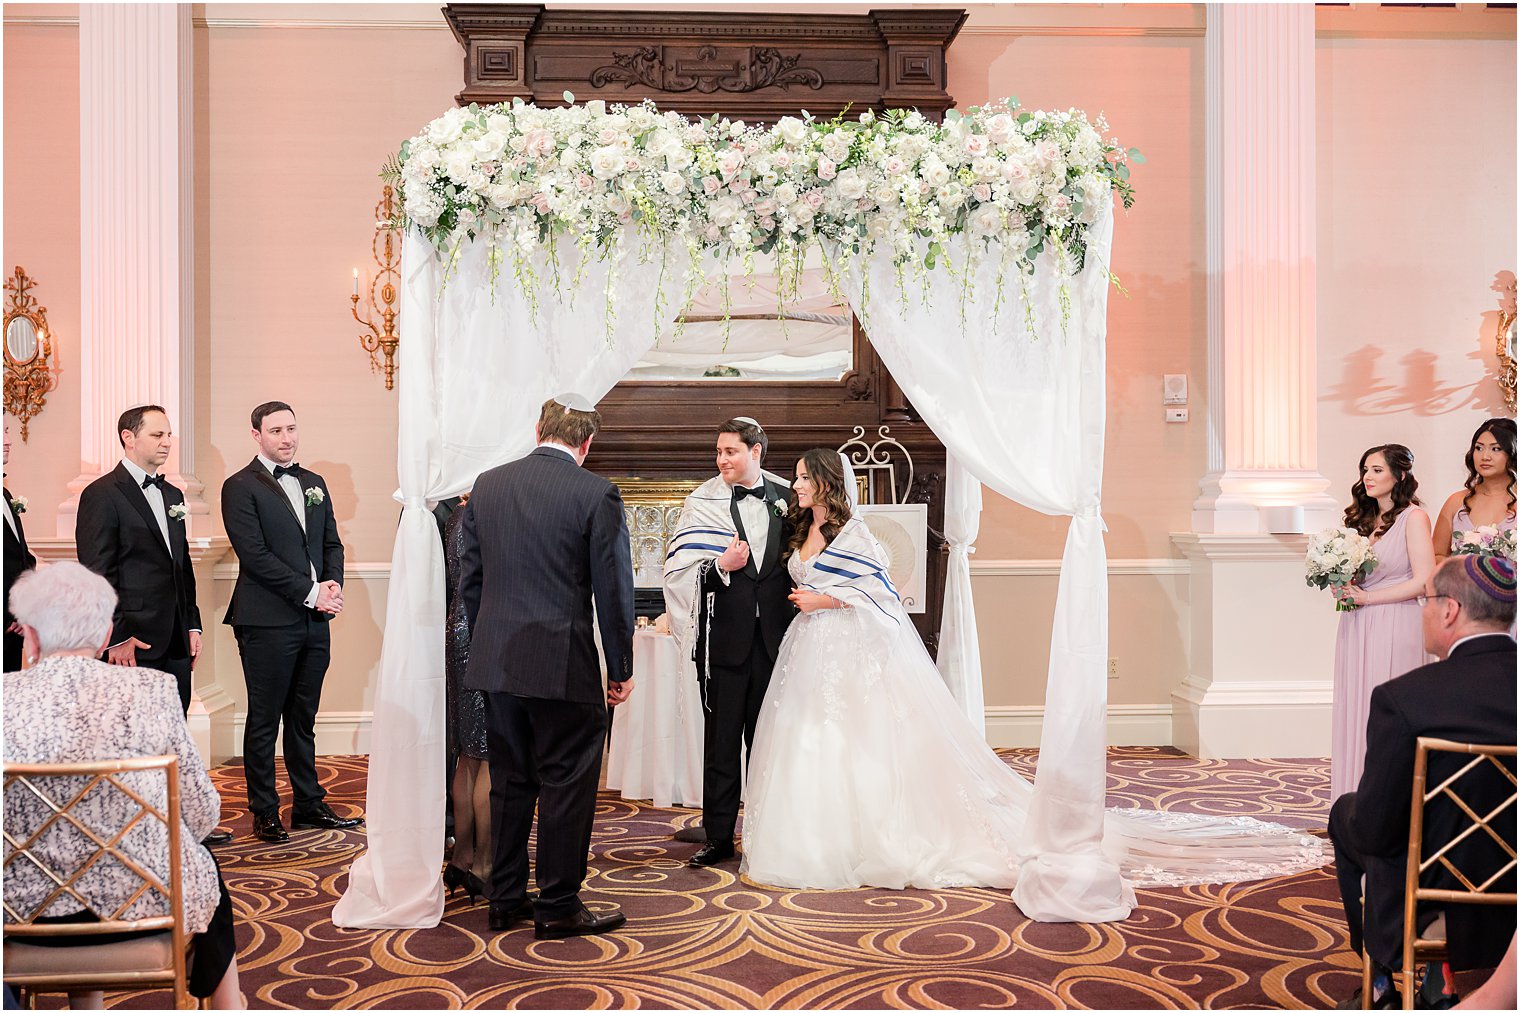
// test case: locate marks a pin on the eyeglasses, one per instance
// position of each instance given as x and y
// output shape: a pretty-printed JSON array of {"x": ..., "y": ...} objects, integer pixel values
[{"x": 1421, "y": 599}]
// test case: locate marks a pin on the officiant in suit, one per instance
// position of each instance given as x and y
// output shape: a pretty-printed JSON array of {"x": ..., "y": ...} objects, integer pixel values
[
  {"x": 18, "y": 559},
  {"x": 744, "y": 614},
  {"x": 542, "y": 539},
  {"x": 279, "y": 518},
  {"x": 131, "y": 530}
]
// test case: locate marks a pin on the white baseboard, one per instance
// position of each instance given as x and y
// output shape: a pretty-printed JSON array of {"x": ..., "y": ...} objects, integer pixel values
[
  {"x": 1129, "y": 724},
  {"x": 339, "y": 733}
]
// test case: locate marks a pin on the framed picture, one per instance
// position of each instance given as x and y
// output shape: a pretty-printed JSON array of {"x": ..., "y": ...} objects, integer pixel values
[{"x": 903, "y": 531}]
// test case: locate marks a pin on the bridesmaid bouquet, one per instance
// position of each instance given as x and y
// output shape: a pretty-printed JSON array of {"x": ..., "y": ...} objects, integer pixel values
[
  {"x": 1337, "y": 557},
  {"x": 1486, "y": 540}
]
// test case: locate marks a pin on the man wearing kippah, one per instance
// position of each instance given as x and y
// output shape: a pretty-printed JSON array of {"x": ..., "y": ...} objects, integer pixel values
[{"x": 1467, "y": 696}]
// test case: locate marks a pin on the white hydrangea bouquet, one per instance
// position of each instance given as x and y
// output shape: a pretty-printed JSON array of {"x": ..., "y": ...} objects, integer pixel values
[
  {"x": 1338, "y": 557},
  {"x": 1485, "y": 540}
]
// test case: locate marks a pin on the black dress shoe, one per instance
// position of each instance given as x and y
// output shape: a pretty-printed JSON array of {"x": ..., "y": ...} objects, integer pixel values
[
  {"x": 504, "y": 916},
  {"x": 582, "y": 923},
  {"x": 712, "y": 853},
  {"x": 217, "y": 836},
  {"x": 321, "y": 817},
  {"x": 269, "y": 828}
]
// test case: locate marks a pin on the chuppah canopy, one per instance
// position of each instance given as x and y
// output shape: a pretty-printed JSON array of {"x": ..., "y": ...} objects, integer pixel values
[{"x": 546, "y": 249}]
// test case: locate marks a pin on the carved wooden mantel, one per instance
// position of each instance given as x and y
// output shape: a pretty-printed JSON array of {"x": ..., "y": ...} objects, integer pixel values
[
  {"x": 691, "y": 60},
  {"x": 756, "y": 67}
]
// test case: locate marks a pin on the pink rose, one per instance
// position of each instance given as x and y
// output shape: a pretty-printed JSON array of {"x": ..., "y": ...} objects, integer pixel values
[
  {"x": 584, "y": 183},
  {"x": 1046, "y": 152},
  {"x": 826, "y": 168},
  {"x": 813, "y": 199},
  {"x": 540, "y": 202},
  {"x": 631, "y": 164},
  {"x": 976, "y": 145},
  {"x": 538, "y": 143},
  {"x": 982, "y": 192},
  {"x": 782, "y": 160},
  {"x": 711, "y": 184}
]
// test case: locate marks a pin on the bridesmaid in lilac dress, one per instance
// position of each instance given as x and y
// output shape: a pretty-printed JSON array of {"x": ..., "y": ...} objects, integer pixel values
[
  {"x": 1381, "y": 638},
  {"x": 1488, "y": 497}
]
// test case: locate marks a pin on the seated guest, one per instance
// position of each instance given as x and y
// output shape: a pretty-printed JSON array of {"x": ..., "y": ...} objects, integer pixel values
[
  {"x": 1467, "y": 696},
  {"x": 67, "y": 707}
]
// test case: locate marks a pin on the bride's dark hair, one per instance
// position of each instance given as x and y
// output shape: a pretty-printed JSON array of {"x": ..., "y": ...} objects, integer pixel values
[
  {"x": 1363, "y": 515},
  {"x": 827, "y": 476}
]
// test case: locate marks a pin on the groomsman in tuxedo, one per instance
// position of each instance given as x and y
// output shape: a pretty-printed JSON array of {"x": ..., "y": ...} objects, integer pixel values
[
  {"x": 543, "y": 539},
  {"x": 279, "y": 518},
  {"x": 18, "y": 559},
  {"x": 746, "y": 591},
  {"x": 131, "y": 531}
]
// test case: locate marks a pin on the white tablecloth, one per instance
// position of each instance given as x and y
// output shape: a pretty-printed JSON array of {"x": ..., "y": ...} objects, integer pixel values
[{"x": 656, "y": 750}]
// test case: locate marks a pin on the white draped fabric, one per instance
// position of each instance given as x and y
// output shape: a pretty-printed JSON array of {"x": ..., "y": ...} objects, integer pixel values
[
  {"x": 476, "y": 365},
  {"x": 1024, "y": 414},
  {"x": 960, "y": 649}
]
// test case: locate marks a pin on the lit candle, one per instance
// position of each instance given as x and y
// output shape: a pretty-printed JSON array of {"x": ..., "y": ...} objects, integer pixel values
[{"x": 356, "y": 281}]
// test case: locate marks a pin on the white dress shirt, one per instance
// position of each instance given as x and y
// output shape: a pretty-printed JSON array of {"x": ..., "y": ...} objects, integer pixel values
[
  {"x": 292, "y": 489},
  {"x": 155, "y": 497},
  {"x": 560, "y": 447},
  {"x": 10, "y": 519},
  {"x": 757, "y": 525}
]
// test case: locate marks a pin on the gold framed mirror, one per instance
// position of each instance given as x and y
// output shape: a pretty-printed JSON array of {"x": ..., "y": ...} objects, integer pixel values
[
  {"x": 1504, "y": 351},
  {"x": 30, "y": 371}
]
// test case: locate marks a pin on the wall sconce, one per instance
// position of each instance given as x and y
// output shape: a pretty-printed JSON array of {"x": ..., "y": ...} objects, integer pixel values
[
  {"x": 1504, "y": 351},
  {"x": 30, "y": 368},
  {"x": 382, "y": 340}
]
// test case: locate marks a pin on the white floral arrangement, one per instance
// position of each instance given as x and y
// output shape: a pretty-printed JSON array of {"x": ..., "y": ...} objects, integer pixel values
[
  {"x": 314, "y": 495},
  {"x": 778, "y": 507},
  {"x": 515, "y": 176},
  {"x": 179, "y": 512},
  {"x": 1338, "y": 557},
  {"x": 18, "y": 504},
  {"x": 1484, "y": 540}
]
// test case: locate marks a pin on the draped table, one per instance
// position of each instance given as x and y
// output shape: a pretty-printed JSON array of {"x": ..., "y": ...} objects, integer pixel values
[{"x": 656, "y": 749}]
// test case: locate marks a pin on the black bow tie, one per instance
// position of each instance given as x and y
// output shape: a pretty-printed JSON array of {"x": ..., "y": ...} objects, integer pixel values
[
  {"x": 758, "y": 492},
  {"x": 157, "y": 480},
  {"x": 281, "y": 470}
]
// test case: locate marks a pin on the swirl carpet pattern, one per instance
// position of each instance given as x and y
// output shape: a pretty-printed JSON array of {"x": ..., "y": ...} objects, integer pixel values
[{"x": 705, "y": 938}]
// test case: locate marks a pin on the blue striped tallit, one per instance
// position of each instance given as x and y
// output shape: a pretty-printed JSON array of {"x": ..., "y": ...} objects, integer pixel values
[
  {"x": 704, "y": 530},
  {"x": 853, "y": 568}
]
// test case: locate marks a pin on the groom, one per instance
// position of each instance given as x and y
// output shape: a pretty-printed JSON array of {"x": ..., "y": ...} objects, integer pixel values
[{"x": 726, "y": 589}]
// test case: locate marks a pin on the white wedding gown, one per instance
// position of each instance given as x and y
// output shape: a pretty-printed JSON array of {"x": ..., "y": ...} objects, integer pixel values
[{"x": 866, "y": 773}]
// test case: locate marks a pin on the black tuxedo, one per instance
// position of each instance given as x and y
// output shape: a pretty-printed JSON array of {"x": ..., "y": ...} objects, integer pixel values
[
  {"x": 119, "y": 538},
  {"x": 542, "y": 538},
  {"x": 285, "y": 645},
  {"x": 18, "y": 559},
  {"x": 1469, "y": 697},
  {"x": 738, "y": 636}
]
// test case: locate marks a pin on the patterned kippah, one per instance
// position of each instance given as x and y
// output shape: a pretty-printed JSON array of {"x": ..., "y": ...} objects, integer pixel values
[{"x": 1494, "y": 575}]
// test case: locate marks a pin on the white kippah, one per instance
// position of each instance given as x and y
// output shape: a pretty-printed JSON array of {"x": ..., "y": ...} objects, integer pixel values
[
  {"x": 746, "y": 418},
  {"x": 574, "y": 402}
]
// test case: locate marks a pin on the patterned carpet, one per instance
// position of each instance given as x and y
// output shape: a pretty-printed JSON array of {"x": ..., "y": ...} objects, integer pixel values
[{"x": 703, "y": 939}]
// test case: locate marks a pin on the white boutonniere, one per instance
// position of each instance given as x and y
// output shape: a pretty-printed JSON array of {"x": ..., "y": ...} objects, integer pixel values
[
  {"x": 778, "y": 507},
  {"x": 314, "y": 495},
  {"x": 179, "y": 511},
  {"x": 18, "y": 504}
]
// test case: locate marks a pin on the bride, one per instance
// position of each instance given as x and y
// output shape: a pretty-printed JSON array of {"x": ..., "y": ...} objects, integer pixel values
[{"x": 866, "y": 773}]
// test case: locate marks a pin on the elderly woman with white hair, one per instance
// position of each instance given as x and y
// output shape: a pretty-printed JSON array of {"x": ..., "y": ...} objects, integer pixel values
[{"x": 69, "y": 707}]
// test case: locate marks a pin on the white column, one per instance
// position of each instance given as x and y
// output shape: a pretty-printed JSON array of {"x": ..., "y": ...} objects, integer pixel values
[
  {"x": 1259, "y": 91},
  {"x": 136, "y": 235},
  {"x": 1262, "y": 643}
]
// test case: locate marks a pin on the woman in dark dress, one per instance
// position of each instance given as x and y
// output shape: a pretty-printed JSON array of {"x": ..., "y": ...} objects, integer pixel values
[{"x": 470, "y": 789}]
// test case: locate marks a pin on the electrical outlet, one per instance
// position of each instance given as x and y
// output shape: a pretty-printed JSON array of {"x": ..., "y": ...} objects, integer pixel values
[{"x": 1113, "y": 668}]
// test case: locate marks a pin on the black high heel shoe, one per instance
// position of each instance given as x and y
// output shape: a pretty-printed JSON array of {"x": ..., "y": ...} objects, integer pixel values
[{"x": 454, "y": 877}]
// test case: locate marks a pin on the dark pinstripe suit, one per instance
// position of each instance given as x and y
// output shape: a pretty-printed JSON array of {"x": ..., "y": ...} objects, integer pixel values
[{"x": 542, "y": 538}]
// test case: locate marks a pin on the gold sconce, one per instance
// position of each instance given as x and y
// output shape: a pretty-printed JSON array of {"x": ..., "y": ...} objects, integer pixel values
[
  {"x": 382, "y": 341},
  {"x": 1504, "y": 351},
  {"x": 30, "y": 369}
]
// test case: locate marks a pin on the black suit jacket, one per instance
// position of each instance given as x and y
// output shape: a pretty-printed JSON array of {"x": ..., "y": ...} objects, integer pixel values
[
  {"x": 119, "y": 538},
  {"x": 759, "y": 590},
  {"x": 275, "y": 554},
  {"x": 1469, "y": 697},
  {"x": 18, "y": 559},
  {"x": 542, "y": 539}
]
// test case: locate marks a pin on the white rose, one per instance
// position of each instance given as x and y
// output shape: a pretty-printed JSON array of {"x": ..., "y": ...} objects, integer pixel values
[
  {"x": 851, "y": 186},
  {"x": 894, "y": 165},
  {"x": 730, "y": 162},
  {"x": 1000, "y": 128},
  {"x": 951, "y": 195},
  {"x": 608, "y": 162},
  {"x": 672, "y": 182},
  {"x": 935, "y": 172},
  {"x": 489, "y": 146},
  {"x": 459, "y": 163},
  {"x": 724, "y": 211},
  {"x": 1027, "y": 192},
  {"x": 791, "y": 130},
  {"x": 837, "y": 145},
  {"x": 678, "y": 159},
  {"x": 985, "y": 221},
  {"x": 976, "y": 145},
  {"x": 786, "y": 194},
  {"x": 444, "y": 130}
]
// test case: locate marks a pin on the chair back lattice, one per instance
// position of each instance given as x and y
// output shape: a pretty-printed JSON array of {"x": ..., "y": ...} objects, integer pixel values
[
  {"x": 70, "y": 843},
  {"x": 1477, "y": 885}
]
